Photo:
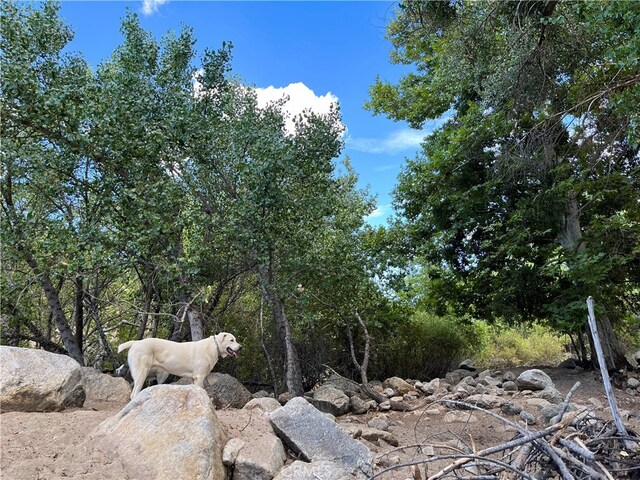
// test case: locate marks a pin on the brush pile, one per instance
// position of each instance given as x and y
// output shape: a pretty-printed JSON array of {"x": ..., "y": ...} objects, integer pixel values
[{"x": 576, "y": 445}]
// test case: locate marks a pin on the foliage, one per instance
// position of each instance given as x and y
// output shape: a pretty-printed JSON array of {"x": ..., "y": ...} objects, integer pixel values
[
  {"x": 425, "y": 347},
  {"x": 526, "y": 201},
  {"x": 511, "y": 346},
  {"x": 152, "y": 196}
]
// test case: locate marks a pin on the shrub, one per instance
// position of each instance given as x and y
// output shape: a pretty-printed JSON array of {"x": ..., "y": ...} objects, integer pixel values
[
  {"x": 506, "y": 346},
  {"x": 424, "y": 347}
]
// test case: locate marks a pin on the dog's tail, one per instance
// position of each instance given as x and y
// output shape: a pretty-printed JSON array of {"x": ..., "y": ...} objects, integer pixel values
[{"x": 126, "y": 345}]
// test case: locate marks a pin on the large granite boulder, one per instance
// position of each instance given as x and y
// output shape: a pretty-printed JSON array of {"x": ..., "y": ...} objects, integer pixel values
[
  {"x": 37, "y": 381},
  {"x": 226, "y": 391},
  {"x": 534, "y": 379},
  {"x": 165, "y": 432},
  {"x": 330, "y": 400},
  {"x": 314, "y": 437},
  {"x": 100, "y": 387}
]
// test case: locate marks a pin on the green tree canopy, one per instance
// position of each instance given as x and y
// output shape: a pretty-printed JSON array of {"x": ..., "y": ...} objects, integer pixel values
[{"x": 526, "y": 201}]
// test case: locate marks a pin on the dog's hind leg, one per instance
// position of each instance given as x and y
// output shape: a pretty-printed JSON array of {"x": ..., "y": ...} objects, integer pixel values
[
  {"x": 161, "y": 376},
  {"x": 139, "y": 374}
]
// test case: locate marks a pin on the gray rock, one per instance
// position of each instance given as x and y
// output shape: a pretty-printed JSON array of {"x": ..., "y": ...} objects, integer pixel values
[
  {"x": 374, "y": 435},
  {"x": 165, "y": 432},
  {"x": 548, "y": 412},
  {"x": 359, "y": 406},
  {"x": 491, "y": 382},
  {"x": 510, "y": 408},
  {"x": 100, "y": 387},
  {"x": 569, "y": 363},
  {"x": 37, "y": 381},
  {"x": 467, "y": 382},
  {"x": 330, "y": 400},
  {"x": 398, "y": 385},
  {"x": 379, "y": 423},
  {"x": 226, "y": 391},
  {"x": 527, "y": 418},
  {"x": 388, "y": 392},
  {"x": 261, "y": 394},
  {"x": 480, "y": 388},
  {"x": 431, "y": 387},
  {"x": 509, "y": 376},
  {"x": 263, "y": 404},
  {"x": 231, "y": 451},
  {"x": 262, "y": 459},
  {"x": 457, "y": 375},
  {"x": 510, "y": 386},
  {"x": 633, "y": 383},
  {"x": 348, "y": 387},
  {"x": 550, "y": 394},
  {"x": 485, "y": 401},
  {"x": 468, "y": 364},
  {"x": 325, "y": 470},
  {"x": 310, "y": 434},
  {"x": 534, "y": 379}
]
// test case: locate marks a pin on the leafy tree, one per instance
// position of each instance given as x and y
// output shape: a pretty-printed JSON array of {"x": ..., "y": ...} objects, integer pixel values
[{"x": 526, "y": 201}]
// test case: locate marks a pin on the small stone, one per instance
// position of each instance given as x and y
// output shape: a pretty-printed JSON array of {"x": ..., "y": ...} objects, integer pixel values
[
  {"x": 379, "y": 423},
  {"x": 633, "y": 383},
  {"x": 511, "y": 408},
  {"x": 510, "y": 386},
  {"x": 550, "y": 394},
  {"x": 527, "y": 418},
  {"x": 468, "y": 364},
  {"x": 388, "y": 392}
]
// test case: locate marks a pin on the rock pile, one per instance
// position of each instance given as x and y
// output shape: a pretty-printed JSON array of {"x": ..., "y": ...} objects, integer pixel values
[{"x": 173, "y": 431}]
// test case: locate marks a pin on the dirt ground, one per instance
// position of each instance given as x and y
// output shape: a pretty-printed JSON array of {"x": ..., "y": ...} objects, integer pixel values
[{"x": 37, "y": 445}]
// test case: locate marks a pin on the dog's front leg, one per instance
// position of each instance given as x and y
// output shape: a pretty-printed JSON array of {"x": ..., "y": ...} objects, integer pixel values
[{"x": 198, "y": 379}]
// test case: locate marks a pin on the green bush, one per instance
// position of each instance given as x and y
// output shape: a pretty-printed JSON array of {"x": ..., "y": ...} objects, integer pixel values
[
  {"x": 424, "y": 347},
  {"x": 534, "y": 345}
]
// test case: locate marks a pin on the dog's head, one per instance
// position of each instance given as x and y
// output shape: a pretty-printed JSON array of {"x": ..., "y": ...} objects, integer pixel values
[{"x": 229, "y": 346}]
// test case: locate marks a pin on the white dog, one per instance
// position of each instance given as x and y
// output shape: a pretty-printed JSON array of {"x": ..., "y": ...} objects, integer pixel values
[{"x": 188, "y": 359}]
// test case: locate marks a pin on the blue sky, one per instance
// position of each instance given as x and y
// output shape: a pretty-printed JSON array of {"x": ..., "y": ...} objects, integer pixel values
[{"x": 313, "y": 51}]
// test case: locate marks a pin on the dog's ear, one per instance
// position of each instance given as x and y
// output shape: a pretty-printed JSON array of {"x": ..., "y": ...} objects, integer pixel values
[{"x": 224, "y": 336}]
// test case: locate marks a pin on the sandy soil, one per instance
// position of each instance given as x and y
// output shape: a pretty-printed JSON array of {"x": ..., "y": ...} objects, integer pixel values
[{"x": 43, "y": 445}]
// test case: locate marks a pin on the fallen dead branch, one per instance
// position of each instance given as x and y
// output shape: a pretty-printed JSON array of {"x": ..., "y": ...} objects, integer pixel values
[{"x": 577, "y": 446}]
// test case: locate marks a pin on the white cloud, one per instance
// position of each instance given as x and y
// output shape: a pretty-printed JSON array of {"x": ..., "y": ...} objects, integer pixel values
[
  {"x": 394, "y": 142},
  {"x": 150, "y": 7},
  {"x": 381, "y": 211},
  {"x": 300, "y": 98},
  {"x": 398, "y": 140}
]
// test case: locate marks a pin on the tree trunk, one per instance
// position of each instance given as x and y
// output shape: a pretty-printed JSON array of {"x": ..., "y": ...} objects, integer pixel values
[
  {"x": 571, "y": 239},
  {"x": 611, "y": 347},
  {"x": 144, "y": 318},
  {"x": 265, "y": 351},
  {"x": 52, "y": 295},
  {"x": 362, "y": 367},
  {"x": 195, "y": 322},
  {"x": 53, "y": 299},
  {"x": 78, "y": 309},
  {"x": 293, "y": 368},
  {"x": 94, "y": 312}
]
